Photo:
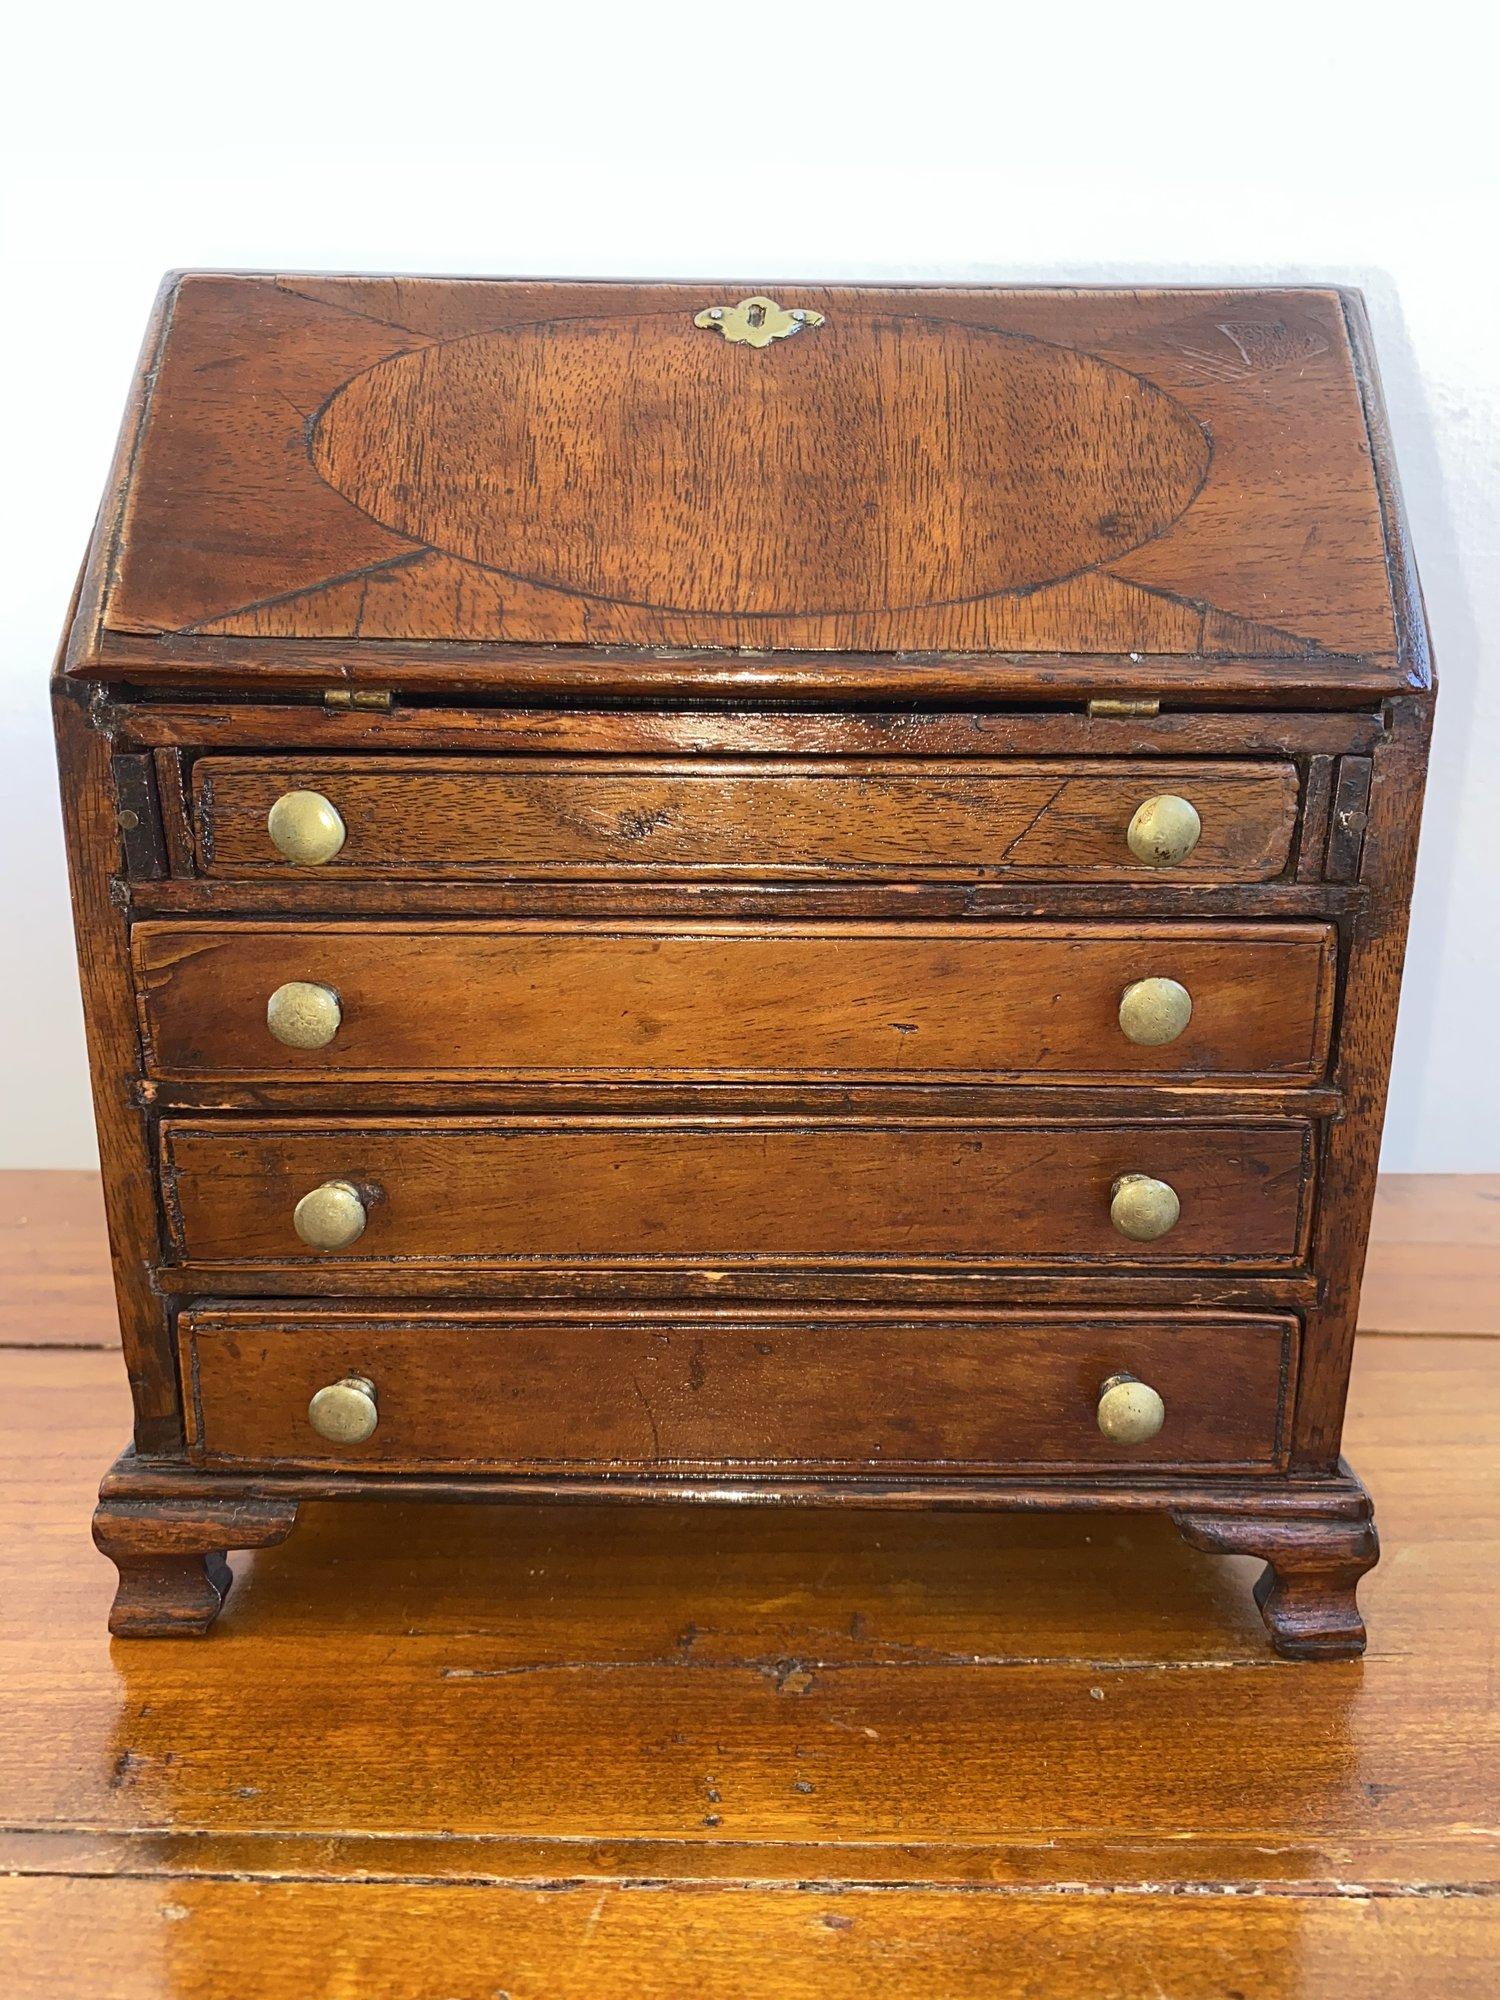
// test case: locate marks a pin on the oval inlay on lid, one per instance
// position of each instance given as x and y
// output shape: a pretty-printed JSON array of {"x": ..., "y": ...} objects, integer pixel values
[{"x": 872, "y": 463}]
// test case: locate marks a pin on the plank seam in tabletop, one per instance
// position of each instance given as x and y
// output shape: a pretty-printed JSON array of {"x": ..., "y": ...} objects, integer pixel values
[
  {"x": 818, "y": 1884},
  {"x": 913, "y": 1778},
  {"x": 138, "y": 1850}
]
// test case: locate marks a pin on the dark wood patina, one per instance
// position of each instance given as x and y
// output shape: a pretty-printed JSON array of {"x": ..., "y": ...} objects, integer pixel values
[{"x": 735, "y": 750}]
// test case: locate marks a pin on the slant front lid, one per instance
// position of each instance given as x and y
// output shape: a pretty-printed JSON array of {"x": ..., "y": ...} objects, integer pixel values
[{"x": 349, "y": 477}]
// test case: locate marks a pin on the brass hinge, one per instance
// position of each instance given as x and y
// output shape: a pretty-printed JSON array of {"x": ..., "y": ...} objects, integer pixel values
[
  {"x": 357, "y": 697},
  {"x": 1115, "y": 705}
]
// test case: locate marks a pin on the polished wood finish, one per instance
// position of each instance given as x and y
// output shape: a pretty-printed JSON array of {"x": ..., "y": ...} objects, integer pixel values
[
  {"x": 171, "y": 1558},
  {"x": 133, "y": 1213},
  {"x": 1143, "y": 542},
  {"x": 720, "y": 1192},
  {"x": 54, "y": 1259},
  {"x": 720, "y": 1943},
  {"x": 1433, "y": 1267},
  {"x": 168, "y": 726},
  {"x": 690, "y": 1746},
  {"x": 917, "y": 417},
  {"x": 659, "y": 1393},
  {"x": 1307, "y": 1591},
  {"x": 426, "y": 820},
  {"x": 1318, "y": 1535},
  {"x": 878, "y": 1001},
  {"x": 1351, "y": 1155},
  {"x": 1434, "y": 1262},
  {"x": 748, "y": 783}
]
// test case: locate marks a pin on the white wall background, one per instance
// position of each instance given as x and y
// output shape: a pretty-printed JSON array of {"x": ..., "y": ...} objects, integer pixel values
[{"x": 760, "y": 140}]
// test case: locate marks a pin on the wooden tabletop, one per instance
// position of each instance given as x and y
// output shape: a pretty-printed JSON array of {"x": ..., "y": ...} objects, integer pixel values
[{"x": 546, "y": 1753}]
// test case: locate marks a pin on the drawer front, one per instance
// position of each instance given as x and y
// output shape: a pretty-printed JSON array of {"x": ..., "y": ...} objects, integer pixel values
[
  {"x": 734, "y": 1191},
  {"x": 883, "y": 1001},
  {"x": 438, "y": 816},
  {"x": 683, "y": 1393}
]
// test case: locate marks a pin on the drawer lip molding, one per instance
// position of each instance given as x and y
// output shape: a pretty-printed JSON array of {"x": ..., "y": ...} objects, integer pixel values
[
  {"x": 274, "y": 729},
  {"x": 512, "y": 999},
  {"x": 431, "y": 818},
  {"x": 752, "y": 1192},
  {"x": 881, "y": 1392}
]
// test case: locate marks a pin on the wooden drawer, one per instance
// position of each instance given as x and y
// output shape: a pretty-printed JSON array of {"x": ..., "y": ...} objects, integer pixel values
[
  {"x": 759, "y": 1190},
  {"x": 467, "y": 816},
  {"x": 689, "y": 1393},
  {"x": 912, "y": 1000}
]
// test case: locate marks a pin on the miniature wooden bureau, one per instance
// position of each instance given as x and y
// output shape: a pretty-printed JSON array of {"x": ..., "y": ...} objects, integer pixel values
[{"x": 793, "y": 899}]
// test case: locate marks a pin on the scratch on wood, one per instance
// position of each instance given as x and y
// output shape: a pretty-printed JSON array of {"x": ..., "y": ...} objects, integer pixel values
[{"x": 650, "y": 1415}]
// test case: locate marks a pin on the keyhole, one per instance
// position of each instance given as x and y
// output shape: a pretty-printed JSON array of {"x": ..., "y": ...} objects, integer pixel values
[{"x": 756, "y": 315}]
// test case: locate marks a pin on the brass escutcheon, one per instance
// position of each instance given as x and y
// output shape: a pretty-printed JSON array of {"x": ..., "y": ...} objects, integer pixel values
[{"x": 757, "y": 322}]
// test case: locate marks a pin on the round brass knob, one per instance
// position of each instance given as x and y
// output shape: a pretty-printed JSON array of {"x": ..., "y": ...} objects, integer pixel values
[
  {"x": 306, "y": 828},
  {"x": 1154, "y": 1011},
  {"x": 1142, "y": 1208},
  {"x": 303, "y": 1015},
  {"x": 1164, "y": 830},
  {"x": 331, "y": 1217},
  {"x": 345, "y": 1412},
  {"x": 1130, "y": 1412}
]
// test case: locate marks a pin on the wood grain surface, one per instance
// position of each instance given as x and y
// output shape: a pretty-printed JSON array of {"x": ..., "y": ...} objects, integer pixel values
[
  {"x": 664, "y": 1392},
  {"x": 427, "y": 1943},
  {"x": 273, "y": 725},
  {"x": 1433, "y": 1267},
  {"x": 772, "y": 1190},
  {"x": 894, "y": 1002},
  {"x": 655, "y": 1154},
  {"x": 748, "y": 1752},
  {"x": 55, "y": 1286},
  {"x": 1434, "y": 1262},
  {"x": 439, "y": 816},
  {"x": 430, "y": 464},
  {"x": 121, "y": 1122},
  {"x": 942, "y": 429}
]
